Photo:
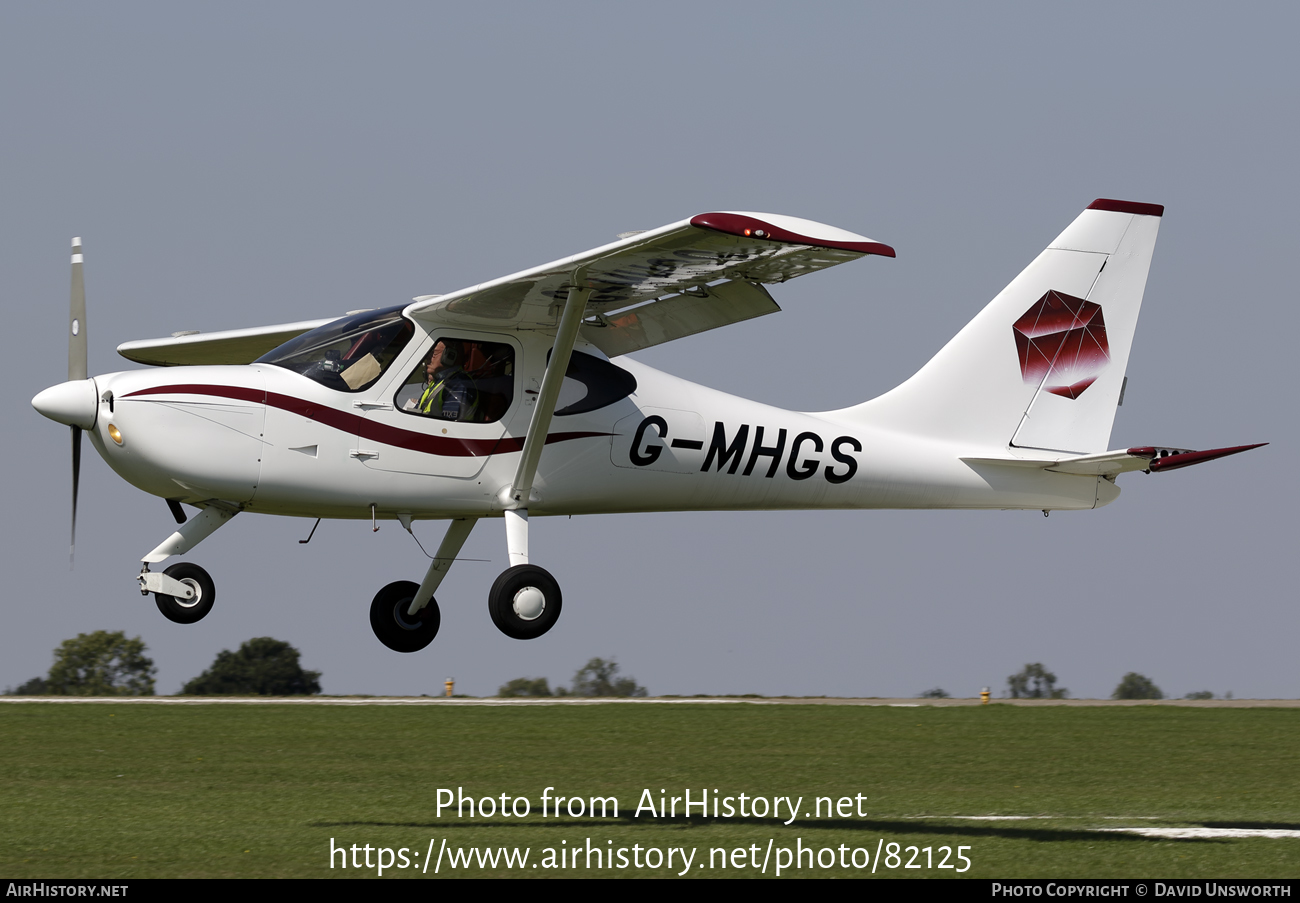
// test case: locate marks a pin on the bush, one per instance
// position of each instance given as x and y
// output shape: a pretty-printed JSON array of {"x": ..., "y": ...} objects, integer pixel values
[
  {"x": 600, "y": 678},
  {"x": 1136, "y": 686},
  {"x": 529, "y": 686},
  {"x": 34, "y": 687},
  {"x": 262, "y": 667},
  {"x": 1200, "y": 694},
  {"x": 1035, "y": 682},
  {"x": 101, "y": 664},
  {"x": 596, "y": 678}
]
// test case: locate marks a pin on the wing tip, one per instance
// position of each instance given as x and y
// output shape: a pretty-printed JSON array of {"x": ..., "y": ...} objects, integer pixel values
[
  {"x": 750, "y": 226},
  {"x": 1134, "y": 207}
]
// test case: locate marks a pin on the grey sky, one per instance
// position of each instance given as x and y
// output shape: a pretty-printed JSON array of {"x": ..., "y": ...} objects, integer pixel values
[{"x": 239, "y": 164}]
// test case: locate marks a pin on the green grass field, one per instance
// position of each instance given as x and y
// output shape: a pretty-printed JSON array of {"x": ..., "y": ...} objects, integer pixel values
[{"x": 120, "y": 791}]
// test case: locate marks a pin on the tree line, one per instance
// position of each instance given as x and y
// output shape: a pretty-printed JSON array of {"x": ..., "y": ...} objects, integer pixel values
[
  {"x": 599, "y": 677},
  {"x": 105, "y": 663},
  {"x": 108, "y": 663},
  {"x": 1035, "y": 682}
]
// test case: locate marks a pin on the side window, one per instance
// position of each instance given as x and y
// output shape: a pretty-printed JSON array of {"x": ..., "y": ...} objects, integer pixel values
[
  {"x": 591, "y": 383},
  {"x": 461, "y": 379}
]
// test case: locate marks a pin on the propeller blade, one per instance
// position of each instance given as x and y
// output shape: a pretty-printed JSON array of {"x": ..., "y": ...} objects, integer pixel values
[
  {"x": 76, "y": 482},
  {"x": 77, "y": 367}
]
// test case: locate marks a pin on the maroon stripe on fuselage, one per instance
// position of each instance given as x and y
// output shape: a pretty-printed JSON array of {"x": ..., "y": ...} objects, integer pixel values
[{"x": 446, "y": 446}]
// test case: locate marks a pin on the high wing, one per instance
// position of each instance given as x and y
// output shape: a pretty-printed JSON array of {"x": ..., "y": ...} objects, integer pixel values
[
  {"x": 233, "y": 346},
  {"x": 663, "y": 284},
  {"x": 648, "y": 288}
]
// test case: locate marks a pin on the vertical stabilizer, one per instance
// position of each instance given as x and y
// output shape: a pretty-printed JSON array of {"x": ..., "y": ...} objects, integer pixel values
[{"x": 1042, "y": 366}]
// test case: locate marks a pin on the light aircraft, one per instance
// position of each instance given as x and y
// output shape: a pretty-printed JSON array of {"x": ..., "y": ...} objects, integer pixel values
[{"x": 514, "y": 398}]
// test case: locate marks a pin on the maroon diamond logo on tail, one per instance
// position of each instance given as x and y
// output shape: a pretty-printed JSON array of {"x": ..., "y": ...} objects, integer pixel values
[{"x": 1062, "y": 344}]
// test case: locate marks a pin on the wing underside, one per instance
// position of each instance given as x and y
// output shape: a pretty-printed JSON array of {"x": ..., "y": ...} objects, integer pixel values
[{"x": 660, "y": 285}]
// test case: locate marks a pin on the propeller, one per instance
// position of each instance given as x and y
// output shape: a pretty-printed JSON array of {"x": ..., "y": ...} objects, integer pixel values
[{"x": 77, "y": 370}]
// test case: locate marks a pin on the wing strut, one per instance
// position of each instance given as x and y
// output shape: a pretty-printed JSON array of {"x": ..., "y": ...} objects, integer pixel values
[
  {"x": 452, "y": 541},
  {"x": 565, "y": 337}
]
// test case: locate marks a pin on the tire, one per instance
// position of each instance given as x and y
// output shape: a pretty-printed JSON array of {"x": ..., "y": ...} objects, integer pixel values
[
  {"x": 514, "y": 609},
  {"x": 187, "y": 611},
  {"x": 394, "y": 627}
]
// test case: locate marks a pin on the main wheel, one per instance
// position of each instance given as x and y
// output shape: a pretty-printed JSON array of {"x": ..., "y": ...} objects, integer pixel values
[
  {"x": 394, "y": 627},
  {"x": 524, "y": 602},
  {"x": 187, "y": 611}
]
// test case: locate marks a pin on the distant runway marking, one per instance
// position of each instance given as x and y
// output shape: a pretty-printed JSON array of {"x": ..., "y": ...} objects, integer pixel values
[
  {"x": 1171, "y": 833},
  {"x": 1206, "y": 833},
  {"x": 1030, "y": 817}
]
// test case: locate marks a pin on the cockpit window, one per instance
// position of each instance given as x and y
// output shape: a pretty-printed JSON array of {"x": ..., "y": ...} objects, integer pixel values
[{"x": 349, "y": 354}]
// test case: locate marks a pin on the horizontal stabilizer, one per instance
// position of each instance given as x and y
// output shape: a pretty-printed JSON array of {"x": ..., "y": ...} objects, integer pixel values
[
  {"x": 1112, "y": 463},
  {"x": 1188, "y": 458}
]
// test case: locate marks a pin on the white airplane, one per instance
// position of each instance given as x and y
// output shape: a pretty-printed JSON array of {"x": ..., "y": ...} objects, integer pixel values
[{"x": 514, "y": 397}]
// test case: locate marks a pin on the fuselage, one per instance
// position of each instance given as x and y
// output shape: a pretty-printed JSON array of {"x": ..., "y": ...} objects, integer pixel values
[{"x": 275, "y": 441}]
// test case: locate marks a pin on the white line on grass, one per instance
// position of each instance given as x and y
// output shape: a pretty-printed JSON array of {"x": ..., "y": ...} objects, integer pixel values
[{"x": 1205, "y": 833}]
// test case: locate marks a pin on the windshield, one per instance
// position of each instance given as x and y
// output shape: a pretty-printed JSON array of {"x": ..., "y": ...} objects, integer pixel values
[{"x": 349, "y": 354}]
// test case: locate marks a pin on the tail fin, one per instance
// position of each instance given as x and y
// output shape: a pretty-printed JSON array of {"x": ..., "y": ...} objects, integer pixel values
[{"x": 1042, "y": 366}]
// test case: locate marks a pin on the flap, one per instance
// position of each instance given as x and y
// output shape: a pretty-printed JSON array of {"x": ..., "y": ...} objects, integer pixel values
[{"x": 698, "y": 310}]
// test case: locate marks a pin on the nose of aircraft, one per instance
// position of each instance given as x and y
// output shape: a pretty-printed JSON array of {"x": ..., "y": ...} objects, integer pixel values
[{"x": 75, "y": 403}]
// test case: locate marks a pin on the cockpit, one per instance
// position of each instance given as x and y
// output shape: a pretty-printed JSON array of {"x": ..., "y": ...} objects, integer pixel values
[{"x": 349, "y": 354}]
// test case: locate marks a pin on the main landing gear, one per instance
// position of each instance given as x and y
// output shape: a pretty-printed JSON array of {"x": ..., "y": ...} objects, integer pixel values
[
  {"x": 395, "y": 628},
  {"x": 524, "y": 602}
]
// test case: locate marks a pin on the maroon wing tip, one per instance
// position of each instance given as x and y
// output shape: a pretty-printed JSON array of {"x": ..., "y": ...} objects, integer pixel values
[
  {"x": 751, "y": 227},
  {"x": 1127, "y": 207}
]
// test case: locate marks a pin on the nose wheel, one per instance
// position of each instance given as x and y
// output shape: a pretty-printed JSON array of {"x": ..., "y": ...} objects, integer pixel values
[
  {"x": 193, "y": 607},
  {"x": 524, "y": 602},
  {"x": 395, "y": 628}
]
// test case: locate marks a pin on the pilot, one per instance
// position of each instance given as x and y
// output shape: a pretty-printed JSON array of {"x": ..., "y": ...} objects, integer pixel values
[{"x": 449, "y": 392}]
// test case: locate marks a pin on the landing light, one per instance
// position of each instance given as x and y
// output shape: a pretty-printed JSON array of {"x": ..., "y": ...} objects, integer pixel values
[{"x": 114, "y": 434}]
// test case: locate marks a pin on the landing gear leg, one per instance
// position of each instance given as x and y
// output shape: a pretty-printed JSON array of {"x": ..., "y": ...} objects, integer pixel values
[
  {"x": 184, "y": 592},
  {"x": 457, "y": 532},
  {"x": 191, "y": 533},
  {"x": 525, "y": 600},
  {"x": 404, "y": 615}
]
